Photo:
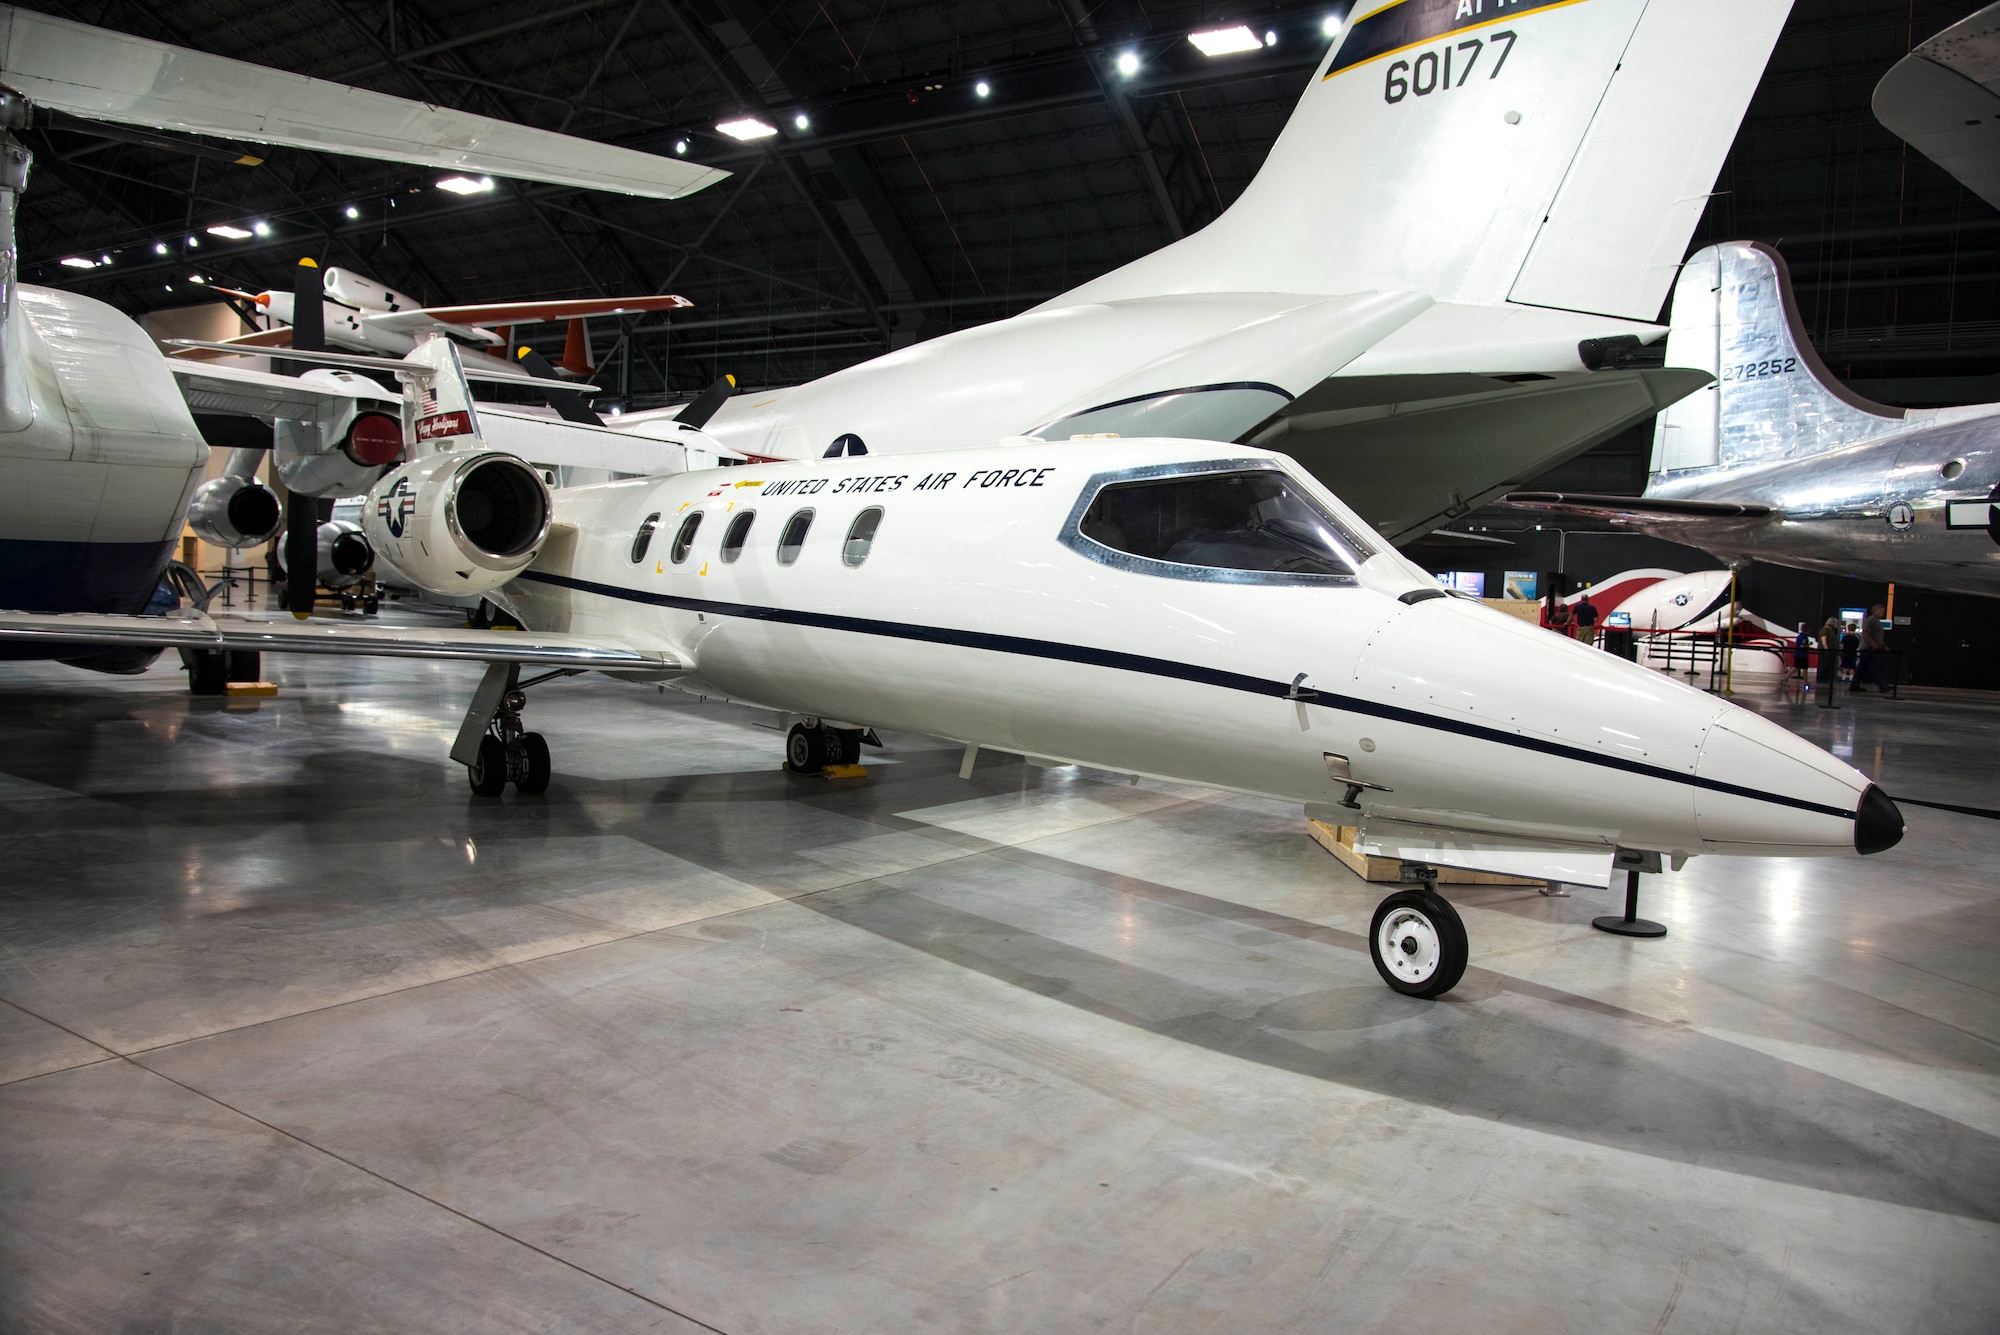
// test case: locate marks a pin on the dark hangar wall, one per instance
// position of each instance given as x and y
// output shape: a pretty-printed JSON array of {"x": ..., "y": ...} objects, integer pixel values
[{"x": 912, "y": 205}]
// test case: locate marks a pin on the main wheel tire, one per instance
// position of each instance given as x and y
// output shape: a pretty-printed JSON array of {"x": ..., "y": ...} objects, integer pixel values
[
  {"x": 843, "y": 746},
  {"x": 245, "y": 665},
  {"x": 488, "y": 771},
  {"x": 1418, "y": 943},
  {"x": 208, "y": 671},
  {"x": 535, "y": 750},
  {"x": 805, "y": 749}
]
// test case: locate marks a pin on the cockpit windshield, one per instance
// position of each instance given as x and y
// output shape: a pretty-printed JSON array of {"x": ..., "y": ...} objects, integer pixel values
[{"x": 1257, "y": 521}]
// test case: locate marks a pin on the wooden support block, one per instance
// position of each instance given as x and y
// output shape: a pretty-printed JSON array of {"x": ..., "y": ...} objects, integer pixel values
[
  {"x": 1339, "y": 841},
  {"x": 845, "y": 771},
  {"x": 249, "y": 688}
]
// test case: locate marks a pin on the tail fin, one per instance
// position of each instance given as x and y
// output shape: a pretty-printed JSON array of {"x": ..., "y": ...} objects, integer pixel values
[
  {"x": 1544, "y": 152},
  {"x": 437, "y": 409},
  {"x": 1734, "y": 316}
]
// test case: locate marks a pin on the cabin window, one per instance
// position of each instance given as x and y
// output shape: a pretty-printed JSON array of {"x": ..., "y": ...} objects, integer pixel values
[
  {"x": 733, "y": 537},
  {"x": 861, "y": 535},
  {"x": 794, "y": 537},
  {"x": 685, "y": 538},
  {"x": 1257, "y": 521},
  {"x": 644, "y": 538}
]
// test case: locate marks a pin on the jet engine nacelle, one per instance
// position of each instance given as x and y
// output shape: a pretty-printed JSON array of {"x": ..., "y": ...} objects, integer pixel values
[
  {"x": 462, "y": 522},
  {"x": 344, "y": 447},
  {"x": 345, "y": 554},
  {"x": 234, "y": 512}
]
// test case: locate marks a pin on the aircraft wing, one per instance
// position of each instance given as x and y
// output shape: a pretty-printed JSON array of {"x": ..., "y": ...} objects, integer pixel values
[
  {"x": 520, "y": 312},
  {"x": 1943, "y": 98},
  {"x": 1629, "y": 508},
  {"x": 1412, "y": 452},
  {"x": 281, "y": 337},
  {"x": 197, "y": 630},
  {"x": 236, "y": 392}
]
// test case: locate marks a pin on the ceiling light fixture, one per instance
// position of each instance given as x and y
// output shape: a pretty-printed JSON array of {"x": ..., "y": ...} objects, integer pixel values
[
  {"x": 1329, "y": 26},
  {"x": 353, "y": 212},
  {"x": 465, "y": 185},
  {"x": 78, "y": 262},
  {"x": 261, "y": 229},
  {"x": 194, "y": 278},
  {"x": 1128, "y": 63},
  {"x": 801, "y": 122},
  {"x": 681, "y": 147},
  {"x": 231, "y": 231},
  {"x": 193, "y": 241},
  {"x": 746, "y": 128},
  {"x": 983, "y": 88},
  {"x": 1270, "y": 37},
  {"x": 1224, "y": 41},
  {"x": 159, "y": 247}
]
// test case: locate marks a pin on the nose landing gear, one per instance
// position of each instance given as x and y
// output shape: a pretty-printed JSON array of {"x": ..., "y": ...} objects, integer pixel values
[{"x": 1417, "y": 940}]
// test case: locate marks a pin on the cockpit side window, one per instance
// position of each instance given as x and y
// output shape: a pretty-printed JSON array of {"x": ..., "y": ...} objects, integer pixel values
[{"x": 1240, "y": 525}]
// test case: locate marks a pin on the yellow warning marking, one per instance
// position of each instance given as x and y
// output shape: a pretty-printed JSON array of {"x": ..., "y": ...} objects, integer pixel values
[
  {"x": 659, "y": 567},
  {"x": 704, "y": 567},
  {"x": 684, "y": 505},
  {"x": 749, "y": 484}
]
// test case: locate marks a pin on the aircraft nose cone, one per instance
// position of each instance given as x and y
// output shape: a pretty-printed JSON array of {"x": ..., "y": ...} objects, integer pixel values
[{"x": 1878, "y": 822}]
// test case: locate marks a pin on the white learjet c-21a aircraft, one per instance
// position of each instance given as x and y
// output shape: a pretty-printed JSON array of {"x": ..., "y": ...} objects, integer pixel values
[{"x": 1188, "y": 610}]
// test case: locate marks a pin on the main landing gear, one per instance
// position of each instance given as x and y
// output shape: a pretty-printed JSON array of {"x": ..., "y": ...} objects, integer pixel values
[
  {"x": 812, "y": 747},
  {"x": 492, "y": 744},
  {"x": 1416, "y": 939}
]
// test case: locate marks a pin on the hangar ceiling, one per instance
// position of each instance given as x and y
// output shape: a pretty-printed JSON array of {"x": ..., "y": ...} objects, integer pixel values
[{"x": 911, "y": 202}]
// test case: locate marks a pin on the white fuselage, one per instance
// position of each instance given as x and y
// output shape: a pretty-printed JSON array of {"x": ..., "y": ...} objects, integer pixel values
[
  {"x": 980, "y": 615},
  {"x": 100, "y": 465}
]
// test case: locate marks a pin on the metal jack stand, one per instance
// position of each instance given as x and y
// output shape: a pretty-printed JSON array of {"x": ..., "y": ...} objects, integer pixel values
[{"x": 1633, "y": 861}]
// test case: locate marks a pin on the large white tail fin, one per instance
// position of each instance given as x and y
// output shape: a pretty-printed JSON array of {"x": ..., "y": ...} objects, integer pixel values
[
  {"x": 1543, "y": 152},
  {"x": 1734, "y": 316}
]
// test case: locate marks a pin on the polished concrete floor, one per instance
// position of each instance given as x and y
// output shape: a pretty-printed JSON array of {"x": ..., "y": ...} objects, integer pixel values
[{"x": 296, "y": 1035}]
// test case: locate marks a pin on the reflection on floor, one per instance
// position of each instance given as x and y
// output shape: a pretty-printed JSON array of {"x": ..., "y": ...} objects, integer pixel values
[{"x": 297, "y": 1035}]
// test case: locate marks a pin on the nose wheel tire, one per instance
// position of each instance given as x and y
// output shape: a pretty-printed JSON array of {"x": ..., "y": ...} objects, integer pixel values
[{"x": 1418, "y": 943}]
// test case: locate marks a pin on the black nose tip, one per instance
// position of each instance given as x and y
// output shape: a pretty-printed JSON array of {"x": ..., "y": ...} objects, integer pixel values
[{"x": 1878, "y": 823}]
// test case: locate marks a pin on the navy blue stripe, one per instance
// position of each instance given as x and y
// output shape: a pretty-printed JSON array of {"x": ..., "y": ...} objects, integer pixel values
[{"x": 1166, "y": 667}]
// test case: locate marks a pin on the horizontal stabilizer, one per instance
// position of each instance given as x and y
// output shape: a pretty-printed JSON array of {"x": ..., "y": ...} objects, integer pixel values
[
  {"x": 1412, "y": 452},
  {"x": 1628, "y": 507},
  {"x": 1532, "y": 856},
  {"x": 522, "y": 312},
  {"x": 111, "y": 76},
  {"x": 239, "y": 393},
  {"x": 195, "y": 630}
]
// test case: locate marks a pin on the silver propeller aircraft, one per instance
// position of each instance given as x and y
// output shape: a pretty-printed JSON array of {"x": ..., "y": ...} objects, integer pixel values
[{"x": 1777, "y": 461}]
